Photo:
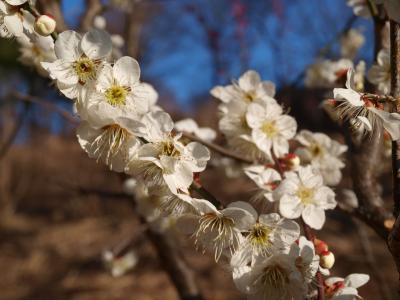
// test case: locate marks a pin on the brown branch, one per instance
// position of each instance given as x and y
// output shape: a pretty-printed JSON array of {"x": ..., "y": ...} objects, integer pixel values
[
  {"x": 93, "y": 8},
  {"x": 133, "y": 28},
  {"x": 377, "y": 222},
  {"x": 394, "y": 236},
  {"x": 320, "y": 280},
  {"x": 47, "y": 104},
  {"x": 364, "y": 157},
  {"x": 9, "y": 141},
  {"x": 217, "y": 148},
  {"x": 172, "y": 259},
  {"x": 53, "y": 8}
]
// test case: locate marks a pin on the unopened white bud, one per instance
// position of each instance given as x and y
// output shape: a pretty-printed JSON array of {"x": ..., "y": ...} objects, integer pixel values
[
  {"x": 327, "y": 260},
  {"x": 45, "y": 25}
]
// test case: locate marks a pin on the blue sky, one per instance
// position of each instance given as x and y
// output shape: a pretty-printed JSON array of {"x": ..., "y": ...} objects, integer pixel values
[{"x": 281, "y": 38}]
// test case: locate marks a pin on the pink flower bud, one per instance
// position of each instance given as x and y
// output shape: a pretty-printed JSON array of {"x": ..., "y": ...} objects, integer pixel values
[
  {"x": 320, "y": 246},
  {"x": 45, "y": 25},
  {"x": 327, "y": 260}
]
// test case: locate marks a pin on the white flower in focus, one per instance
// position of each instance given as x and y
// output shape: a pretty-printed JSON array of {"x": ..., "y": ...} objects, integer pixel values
[
  {"x": 119, "y": 89},
  {"x": 351, "y": 42},
  {"x": 360, "y": 7},
  {"x": 190, "y": 126},
  {"x": 323, "y": 154},
  {"x": 306, "y": 261},
  {"x": 302, "y": 193},
  {"x": 379, "y": 74},
  {"x": 79, "y": 59},
  {"x": 273, "y": 278},
  {"x": 109, "y": 138},
  {"x": 14, "y": 21},
  {"x": 35, "y": 50},
  {"x": 216, "y": 230},
  {"x": 249, "y": 88},
  {"x": 267, "y": 179},
  {"x": 337, "y": 288},
  {"x": 118, "y": 266},
  {"x": 165, "y": 158},
  {"x": 327, "y": 73},
  {"x": 271, "y": 130},
  {"x": 351, "y": 105},
  {"x": 265, "y": 235}
]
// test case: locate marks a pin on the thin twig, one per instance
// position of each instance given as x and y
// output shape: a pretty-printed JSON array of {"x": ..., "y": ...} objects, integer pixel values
[
  {"x": 47, "y": 104},
  {"x": 217, "y": 148}
]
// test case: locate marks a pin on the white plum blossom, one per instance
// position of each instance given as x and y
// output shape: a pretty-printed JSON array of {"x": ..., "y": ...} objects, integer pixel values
[
  {"x": 273, "y": 278},
  {"x": 265, "y": 235},
  {"x": 235, "y": 100},
  {"x": 351, "y": 42},
  {"x": 36, "y": 50},
  {"x": 79, "y": 60},
  {"x": 302, "y": 193},
  {"x": 306, "y": 261},
  {"x": 248, "y": 89},
  {"x": 216, "y": 230},
  {"x": 119, "y": 89},
  {"x": 14, "y": 21},
  {"x": 165, "y": 158},
  {"x": 270, "y": 128},
  {"x": 337, "y": 288},
  {"x": 351, "y": 105},
  {"x": 190, "y": 126},
  {"x": 323, "y": 154},
  {"x": 110, "y": 138},
  {"x": 379, "y": 74},
  {"x": 266, "y": 179}
]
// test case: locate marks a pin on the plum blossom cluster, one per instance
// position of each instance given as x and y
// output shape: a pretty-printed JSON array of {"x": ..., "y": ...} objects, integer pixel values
[{"x": 122, "y": 126}]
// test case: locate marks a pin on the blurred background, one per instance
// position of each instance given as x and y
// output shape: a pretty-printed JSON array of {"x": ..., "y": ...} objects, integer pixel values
[{"x": 59, "y": 210}]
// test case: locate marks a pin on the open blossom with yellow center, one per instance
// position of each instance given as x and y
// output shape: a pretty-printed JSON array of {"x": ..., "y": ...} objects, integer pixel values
[
  {"x": 264, "y": 234},
  {"x": 216, "y": 230},
  {"x": 79, "y": 60},
  {"x": 118, "y": 87},
  {"x": 110, "y": 143},
  {"x": 270, "y": 128},
  {"x": 165, "y": 159},
  {"x": 302, "y": 193}
]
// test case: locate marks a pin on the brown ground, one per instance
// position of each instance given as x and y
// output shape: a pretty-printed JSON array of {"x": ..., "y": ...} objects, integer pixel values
[{"x": 52, "y": 234}]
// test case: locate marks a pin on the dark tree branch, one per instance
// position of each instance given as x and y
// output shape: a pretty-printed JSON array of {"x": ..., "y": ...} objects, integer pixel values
[
  {"x": 394, "y": 236},
  {"x": 47, "y": 104}
]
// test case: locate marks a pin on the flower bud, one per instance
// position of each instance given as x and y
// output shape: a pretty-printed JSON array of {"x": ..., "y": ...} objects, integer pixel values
[
  {"x": 290, "y": 162},
  {"x": 320, "y": 246},
  {"x": 45, "y": 25},
  {"x": 327, "y": 260}
]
